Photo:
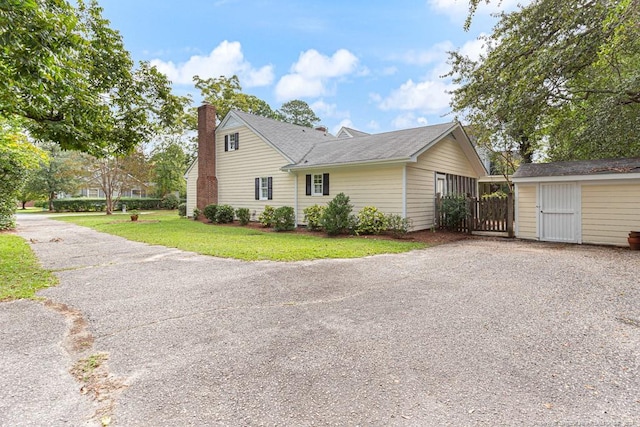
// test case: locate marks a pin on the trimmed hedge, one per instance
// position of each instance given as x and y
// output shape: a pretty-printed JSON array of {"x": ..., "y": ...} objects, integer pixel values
[{"x": 98, "y": 205}]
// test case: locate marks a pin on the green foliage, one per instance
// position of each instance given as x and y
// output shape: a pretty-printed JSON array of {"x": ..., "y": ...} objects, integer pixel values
[
  {"x": 371, "y": 221},
  {"x": 210, "y": 212},
  {"x": 266, "y": 217},
  {"x": 20, "y": 272},
  {"x": 17, "y": 158},
  {"x": 560, "y": 78},
  {"x": 298, "y": 113},
  {"x": 313, "y": 217},
  {"x": 196, "y": 214},
  {"x": 224, "y": 214},
  {"x": 455, "y": 208},
  {"x": 79, "y": 205},
  {"x": 170, "y": 201},
  {"x": 182, "y": 210},
  {"x": 144, "y": 203},
  {"x": 495, "y": 195},
  {"x": 398, "y": 225},
  {"x": 68, "y": 75},
  {"x": 336, "y": 218},
  {"x": 169, "y": 163},
  {"x": 226, "y": 94},
  {"x": 284, "y": 219},
  {"x": 238, "y": 242},
  {"x": 243, "y": 215}
]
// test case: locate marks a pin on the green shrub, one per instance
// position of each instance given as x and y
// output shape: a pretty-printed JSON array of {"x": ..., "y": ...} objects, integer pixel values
[
  {"x": 170, "y": 201},
  {"x": 209, "y": 212},
  {"x": 243, "y": 215},
  {"x": 196, "y": 213},
  {"x": 371, "y": 221},
  {"x": 337, "y": 217},
  {"x": 182, "y": 210},
  {"x": 143, "y": 204},
  {"x": 40, "y": 204},
  {"x": 398, "y": 225},
  {"x": 80, "y": 205},
  {"x": 455, "y": 208},
  {"x": 266, "y": 217},
  {"x": 224, "y": 214},
  {"x": 313, "y": 217},
  {"x": 284, "y": 219},
  {"x": 7, "y": 211}
]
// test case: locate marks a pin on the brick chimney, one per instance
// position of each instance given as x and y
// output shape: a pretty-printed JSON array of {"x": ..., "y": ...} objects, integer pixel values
[{"x": 207, "y": 184}]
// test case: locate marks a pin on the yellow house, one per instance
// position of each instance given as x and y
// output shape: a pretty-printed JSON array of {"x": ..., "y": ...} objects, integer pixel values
[
  {"x": 252, "y": 161},
  {"x": 593, "y": 201}
]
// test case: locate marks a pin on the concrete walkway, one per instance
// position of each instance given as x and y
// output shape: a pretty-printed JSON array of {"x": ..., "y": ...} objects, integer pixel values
[{"x": 469, "y": 333}]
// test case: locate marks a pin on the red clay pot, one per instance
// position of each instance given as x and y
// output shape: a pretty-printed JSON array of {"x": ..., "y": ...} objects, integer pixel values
[{"x": 634, "y": 242}]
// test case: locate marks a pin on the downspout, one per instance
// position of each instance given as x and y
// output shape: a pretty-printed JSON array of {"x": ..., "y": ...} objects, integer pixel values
[
  {"x": 404, "y": 191},
  {"x": 295, "y": 196}
]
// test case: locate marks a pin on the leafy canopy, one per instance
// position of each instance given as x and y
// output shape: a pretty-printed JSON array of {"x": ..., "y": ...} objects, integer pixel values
[
  {"x": 560, "y": 77},
  {"x": 65, "y": 72}
]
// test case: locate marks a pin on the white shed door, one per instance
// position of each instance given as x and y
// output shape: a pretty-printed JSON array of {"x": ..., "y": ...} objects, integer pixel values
[{"x": 559, "y": 217}]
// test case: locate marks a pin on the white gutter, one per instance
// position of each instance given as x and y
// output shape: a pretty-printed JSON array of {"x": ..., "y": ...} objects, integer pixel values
[{"x": 404, "y": 191}]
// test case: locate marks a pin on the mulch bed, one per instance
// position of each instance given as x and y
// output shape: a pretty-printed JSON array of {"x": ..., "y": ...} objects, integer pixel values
[{"x": 428, "y": 237}]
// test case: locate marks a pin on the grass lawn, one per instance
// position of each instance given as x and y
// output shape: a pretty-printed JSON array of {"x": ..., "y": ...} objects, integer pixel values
[
  {"x": 20, "y": 272},
  {"x": 167, "y": 229}
]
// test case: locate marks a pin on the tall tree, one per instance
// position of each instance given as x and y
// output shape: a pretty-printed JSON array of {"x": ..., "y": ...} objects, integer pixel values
[
  {"x": 67, "y": 73},
  {"x": 17, "y": 157},
  {"x": 299, "y": 113},
  {"x": 169, "y": 164},
  {"x": 226, "y": 94},
  {"x": 558, "y": 76},
  {"x": 59, "y": 173}
]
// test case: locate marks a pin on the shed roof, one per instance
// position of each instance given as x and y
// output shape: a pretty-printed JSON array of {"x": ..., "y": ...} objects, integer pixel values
[{"x": 579, "y": 168}]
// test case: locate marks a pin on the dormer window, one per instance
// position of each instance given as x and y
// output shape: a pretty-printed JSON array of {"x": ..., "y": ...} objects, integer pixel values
[{"x": 231, "y": 142}]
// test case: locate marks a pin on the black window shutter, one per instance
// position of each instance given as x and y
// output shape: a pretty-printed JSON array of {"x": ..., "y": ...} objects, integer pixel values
[
  {"x": 226, "y": 143},
  {"x": 270, "y": 188},
  {"x": 257, "y": 189},
  {"x": 237, "y": 140},
  {"x": 308, "y": 185},
  {"x": 325, "y": 184}
]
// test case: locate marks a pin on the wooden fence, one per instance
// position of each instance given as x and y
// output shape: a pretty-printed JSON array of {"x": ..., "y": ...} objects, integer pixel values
[{"x": 490, "y": 215}]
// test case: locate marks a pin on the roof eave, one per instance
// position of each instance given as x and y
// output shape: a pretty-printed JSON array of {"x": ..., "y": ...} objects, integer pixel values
[
  {"x": 399, "y": 160},
  {"x": 586, "y": 177}
]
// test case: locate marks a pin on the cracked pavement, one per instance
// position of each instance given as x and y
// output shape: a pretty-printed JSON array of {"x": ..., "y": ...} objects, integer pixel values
[{"x": 480, "y": 332}]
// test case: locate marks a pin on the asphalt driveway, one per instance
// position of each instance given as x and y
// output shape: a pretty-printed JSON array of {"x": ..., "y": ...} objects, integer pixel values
[{"x": 476, "y": 332}]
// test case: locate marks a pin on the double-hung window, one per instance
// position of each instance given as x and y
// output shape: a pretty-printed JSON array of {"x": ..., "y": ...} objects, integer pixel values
[
  {"x": 264, "y": 188},
  {"x": 232, "y": 142},
  {"x": 317, "y": 184}
]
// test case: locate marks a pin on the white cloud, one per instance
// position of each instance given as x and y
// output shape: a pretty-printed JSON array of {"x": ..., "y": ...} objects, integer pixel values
[
  {"x": 408, "y": 120},
  {"x": 312, "y": 73},
  {"x": 437, "y": 53},
  {"x": 428, "y": 96},
  {"x": 373, "y": 125},
  {"x": 474, "y": 48},
  {"x": 226, "y": 59}
]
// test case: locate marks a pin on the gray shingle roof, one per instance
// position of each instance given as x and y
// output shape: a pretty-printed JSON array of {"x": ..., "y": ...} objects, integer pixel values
[
  {"x": 292, "y": 140},
  {"x": 346, "y": 132},
  {"x": 579, "y": 167},
  {"x": 402, "y": 144}
]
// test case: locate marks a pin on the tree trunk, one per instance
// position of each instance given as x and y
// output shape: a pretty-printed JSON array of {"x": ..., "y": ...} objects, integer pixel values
[{"x": 51, "y": 197}]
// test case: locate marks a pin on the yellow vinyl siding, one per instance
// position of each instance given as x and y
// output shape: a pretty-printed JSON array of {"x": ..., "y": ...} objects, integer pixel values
[
  {"x": 609, "y": 212},
  {"x": 379, "y": 186},
  {"x": 237, "y": 171},
  {"x": 445, "y": 157},
  {"x": 527, "y": 212},
  {"x": 192, "y": 185}
]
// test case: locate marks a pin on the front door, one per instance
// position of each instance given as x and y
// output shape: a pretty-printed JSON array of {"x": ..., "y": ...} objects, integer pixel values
[{"x": 559, "y": 216}]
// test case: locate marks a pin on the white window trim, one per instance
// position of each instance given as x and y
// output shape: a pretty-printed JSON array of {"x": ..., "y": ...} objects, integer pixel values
[
  {"x": 313, "y": 184},
  {"x": 264, "y": 188},
  {"x": 232, "y": 142}
]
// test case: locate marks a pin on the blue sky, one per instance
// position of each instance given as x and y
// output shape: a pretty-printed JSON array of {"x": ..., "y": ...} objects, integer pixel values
[{"x": 371, "y": 65}]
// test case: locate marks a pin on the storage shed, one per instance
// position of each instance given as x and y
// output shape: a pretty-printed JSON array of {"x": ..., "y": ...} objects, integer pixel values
[{"x": 592, "y": 201}]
